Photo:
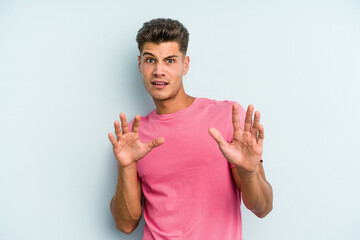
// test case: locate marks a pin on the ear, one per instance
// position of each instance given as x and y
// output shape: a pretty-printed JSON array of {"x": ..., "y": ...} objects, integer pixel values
[
  {"x": 139, "y": 65},
  {"x": 186, "y": 65}
]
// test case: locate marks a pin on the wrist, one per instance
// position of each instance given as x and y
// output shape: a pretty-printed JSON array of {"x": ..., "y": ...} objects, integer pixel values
[
  {"x": 246, "y": 175},
  {"x": 130, "y": 165},
  {"x": 127, "y": 174}
]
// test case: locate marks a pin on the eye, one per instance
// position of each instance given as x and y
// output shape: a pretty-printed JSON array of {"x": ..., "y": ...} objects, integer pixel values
[
  {"x": 150, "y": 60},
  {"x": 171, "y": 60}
]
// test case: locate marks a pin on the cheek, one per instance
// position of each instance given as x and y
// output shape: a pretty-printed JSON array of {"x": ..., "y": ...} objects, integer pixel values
[
  {"x": 182, "y": 72},
  {"x": 146, "y": 70},
  {"x": 178, "y": 71},
  {"x": 146, "y": 85}
]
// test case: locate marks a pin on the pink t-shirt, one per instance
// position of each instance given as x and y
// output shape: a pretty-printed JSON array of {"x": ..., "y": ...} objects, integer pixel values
[{"x": 187, "y": 183}]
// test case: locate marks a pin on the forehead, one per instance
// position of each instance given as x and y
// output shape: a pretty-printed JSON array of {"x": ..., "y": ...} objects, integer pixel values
[{"x": 162, "y": 49}]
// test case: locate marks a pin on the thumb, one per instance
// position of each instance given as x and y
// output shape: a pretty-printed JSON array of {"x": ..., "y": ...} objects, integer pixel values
[
  {"x": 155, "y": 143},
  {"x": 217, "y": 136}
]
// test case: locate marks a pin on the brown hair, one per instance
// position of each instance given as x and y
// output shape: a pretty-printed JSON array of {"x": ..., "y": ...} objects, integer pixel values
[{"x": 163, "y": 30}]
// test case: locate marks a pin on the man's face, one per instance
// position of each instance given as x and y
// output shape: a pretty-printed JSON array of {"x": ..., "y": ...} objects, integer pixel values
[{"x": 162, "y": 67}]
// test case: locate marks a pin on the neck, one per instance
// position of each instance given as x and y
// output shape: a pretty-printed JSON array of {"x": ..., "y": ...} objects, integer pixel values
[{"x": 180, "y": 102}]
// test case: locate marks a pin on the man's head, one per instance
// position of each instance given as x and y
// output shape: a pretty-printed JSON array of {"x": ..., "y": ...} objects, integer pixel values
[
  {"x": 163, "y": 30},
  {"x": 162, "y": 60}
]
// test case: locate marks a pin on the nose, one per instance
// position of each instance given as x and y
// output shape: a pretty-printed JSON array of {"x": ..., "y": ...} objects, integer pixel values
[{"x": 159, "y": 70}]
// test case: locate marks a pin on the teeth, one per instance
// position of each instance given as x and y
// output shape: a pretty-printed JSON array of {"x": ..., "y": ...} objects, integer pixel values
[{"x": 159, "y": 83}]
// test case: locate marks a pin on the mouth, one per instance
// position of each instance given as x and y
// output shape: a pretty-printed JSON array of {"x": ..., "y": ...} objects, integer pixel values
[{"x": 159, "y": 84}]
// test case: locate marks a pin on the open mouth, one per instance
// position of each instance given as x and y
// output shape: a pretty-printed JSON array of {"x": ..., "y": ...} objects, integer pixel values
[{"x": 159, "y": 83}]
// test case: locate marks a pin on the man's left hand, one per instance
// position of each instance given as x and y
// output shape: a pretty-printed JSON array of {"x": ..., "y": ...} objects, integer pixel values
[{"x": 246, "y": 148}]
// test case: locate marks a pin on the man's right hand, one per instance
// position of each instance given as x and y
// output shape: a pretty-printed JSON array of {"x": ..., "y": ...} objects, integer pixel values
[{"x": 127, "y": 147}]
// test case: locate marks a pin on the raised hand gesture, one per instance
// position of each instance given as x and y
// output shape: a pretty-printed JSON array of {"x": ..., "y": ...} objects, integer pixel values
[
  {"x": 246, "y": 148},
  {"x": 127, "y": 147}
]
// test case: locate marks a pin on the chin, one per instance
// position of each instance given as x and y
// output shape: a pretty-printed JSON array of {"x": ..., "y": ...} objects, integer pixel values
[
  {"x": 160, "y": 98},
  {"x": 162, "y": 95}
]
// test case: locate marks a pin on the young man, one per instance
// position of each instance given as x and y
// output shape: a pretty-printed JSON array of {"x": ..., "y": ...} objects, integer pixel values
[{"x": 191, "y": 157}]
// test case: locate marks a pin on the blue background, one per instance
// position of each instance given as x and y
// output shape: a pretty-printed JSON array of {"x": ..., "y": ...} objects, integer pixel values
[{"x": 68, "y": 68}]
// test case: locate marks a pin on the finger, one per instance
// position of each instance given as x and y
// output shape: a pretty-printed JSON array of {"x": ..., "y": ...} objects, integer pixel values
[
  {"x": 155, "y": 143},
  {"x": 255, "y": 127},
  {"x": 124, "y": 124},
  {"x": 235, "y": 117},
  {"x": 218, "y": 137},
  {"x": 136, "y": 124},
  {"x": 261, "y": 135},
  {"x": 112, "y": 139},
  {"x": 117, "y": 130},
  {"x": 248, "y": 118}
]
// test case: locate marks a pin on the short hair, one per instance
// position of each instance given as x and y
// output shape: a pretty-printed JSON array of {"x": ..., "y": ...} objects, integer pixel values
[{"x": 161, "y": 30}]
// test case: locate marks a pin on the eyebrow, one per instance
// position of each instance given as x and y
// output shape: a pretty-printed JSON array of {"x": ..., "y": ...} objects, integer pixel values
[
  {"x": 147, "y": 53},
  {"x": 171, "y": 56}
]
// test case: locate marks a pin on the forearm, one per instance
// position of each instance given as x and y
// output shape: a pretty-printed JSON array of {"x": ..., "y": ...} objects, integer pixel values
[
  {"x": 256, "y": 192},
  {"x": 126, "y": 204}
]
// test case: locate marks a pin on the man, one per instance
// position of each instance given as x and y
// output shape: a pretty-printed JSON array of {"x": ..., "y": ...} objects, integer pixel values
[{"x": 190, "y": 182}]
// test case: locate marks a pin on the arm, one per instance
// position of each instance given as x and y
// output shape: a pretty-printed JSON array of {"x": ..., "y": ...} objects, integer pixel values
[
  {"x": 125, "y": 206},
  {"x": 245, "y": 151},
  {"x": 256, "y": 191}
]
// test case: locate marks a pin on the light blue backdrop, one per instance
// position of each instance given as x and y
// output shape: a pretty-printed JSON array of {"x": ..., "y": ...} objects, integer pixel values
[{"x": 68, "y": 68}]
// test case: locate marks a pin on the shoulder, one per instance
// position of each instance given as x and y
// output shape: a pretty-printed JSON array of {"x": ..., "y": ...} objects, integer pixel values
[
  {"x": 220, "y": 105},
  {"x": 143, "y": 119}
]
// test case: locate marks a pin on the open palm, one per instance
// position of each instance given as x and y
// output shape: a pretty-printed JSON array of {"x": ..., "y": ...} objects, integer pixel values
[
  {"x": 246, "y": 148},
  {"x": 127, "y": 146}
]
